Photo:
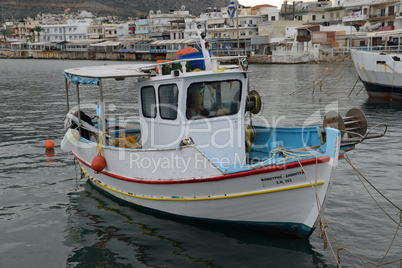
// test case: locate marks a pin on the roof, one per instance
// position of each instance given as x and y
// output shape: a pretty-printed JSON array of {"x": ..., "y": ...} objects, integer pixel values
[
  {"x": 307, "y": 26},
  {"x": 383, "y": 3},
  {"x": 264, "y": 5},
  {"x": 385, "y": 33},
  {"x": 106, "y": 44},
  {"x": 107, "y": 71},
  {"x": 173, "y": 41},
  {"x": 87, "y": 41}
]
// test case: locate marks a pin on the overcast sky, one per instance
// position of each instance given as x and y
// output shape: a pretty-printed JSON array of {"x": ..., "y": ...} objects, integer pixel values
[{"x": 277, "y": 3}]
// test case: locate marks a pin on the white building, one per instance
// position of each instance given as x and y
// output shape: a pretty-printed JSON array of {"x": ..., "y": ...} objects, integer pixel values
[
  {"x": 73, "y": 30},
  {"x": 160, "y": 24}
]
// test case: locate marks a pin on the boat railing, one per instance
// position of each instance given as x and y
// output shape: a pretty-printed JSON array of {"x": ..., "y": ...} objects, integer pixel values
[
  {"x": 183, "y": 62},
  {"x": 388, "y": 48}
]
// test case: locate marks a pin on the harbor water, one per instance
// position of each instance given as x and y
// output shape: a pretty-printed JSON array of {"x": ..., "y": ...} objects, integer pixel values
[{"x": 50, "y": 216}]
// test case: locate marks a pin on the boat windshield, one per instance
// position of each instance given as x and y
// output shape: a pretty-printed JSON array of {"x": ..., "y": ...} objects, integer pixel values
[{"x": 211, "y": 99}]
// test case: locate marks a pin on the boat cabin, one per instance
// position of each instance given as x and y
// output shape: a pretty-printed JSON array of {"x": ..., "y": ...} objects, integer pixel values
[{"x": 205, "y": 107}]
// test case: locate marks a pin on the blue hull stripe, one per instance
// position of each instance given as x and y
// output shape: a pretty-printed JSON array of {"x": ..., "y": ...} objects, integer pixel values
[{"x": 383, "y": 91}]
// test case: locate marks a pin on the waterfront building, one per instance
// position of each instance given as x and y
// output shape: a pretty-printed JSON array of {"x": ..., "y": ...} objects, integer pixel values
[
  {"x": 142, "y": 29},
  {"x": 160, "y": 23},
  {"x": 307, "y": 12},
  {"x": 110, "y": 31},
  {"x": 23, "y": 30},
  {"x": 371, "y": 15},
  {"x": 334, "y": 15},
  {"x": 123, "y": 30},
  {"x": 96, "y": 31},
  {"x": 80, "y": 46},
  {"x": 73, "y": 30}
]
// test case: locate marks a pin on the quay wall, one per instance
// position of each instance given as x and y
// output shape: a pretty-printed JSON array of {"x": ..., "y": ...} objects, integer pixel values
[{"x": 82, "y": 55}]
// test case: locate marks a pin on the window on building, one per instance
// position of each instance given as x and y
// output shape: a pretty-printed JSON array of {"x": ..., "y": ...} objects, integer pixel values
[
  {"x": 391, "y": 10},
  {"x": 365, "y": 10},
  {"x": 212, "y": 99},
  {"x": 148, "y": 102},
  {"x": 168, "y": 100},
  {"x": 313, "y": 17},
  {"x": 382, "y": 12},
  {"x": 250, "y": 33},
  {"x": 323, "y": 16},
  {"x": 272, "y": 17}
]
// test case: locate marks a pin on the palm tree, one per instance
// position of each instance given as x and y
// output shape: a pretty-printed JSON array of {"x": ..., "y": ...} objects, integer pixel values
[
  {"x": 38, "y": 29},
  {"x": 4, "y": 32}
]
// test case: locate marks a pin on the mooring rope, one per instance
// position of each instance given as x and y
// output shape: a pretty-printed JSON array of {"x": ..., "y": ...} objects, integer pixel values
[
  {"x": 324, "y": 226},
  {"x": 322, "y": 233},
  {"x": 340, "y": 247}
]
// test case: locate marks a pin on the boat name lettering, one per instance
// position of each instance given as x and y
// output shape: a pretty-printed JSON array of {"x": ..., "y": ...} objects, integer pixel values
[
  {"x": 294, "y": 174},
  {"x": 272, "y": 178}
]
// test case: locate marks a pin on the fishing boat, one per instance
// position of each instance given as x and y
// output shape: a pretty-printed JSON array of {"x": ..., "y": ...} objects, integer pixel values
[
  {"x": 195, "y": 153},
  {"x": 380, "y": 72}
]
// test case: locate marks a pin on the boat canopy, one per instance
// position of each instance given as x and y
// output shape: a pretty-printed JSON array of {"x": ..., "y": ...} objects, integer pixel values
[{"x": 106, "y": 71}]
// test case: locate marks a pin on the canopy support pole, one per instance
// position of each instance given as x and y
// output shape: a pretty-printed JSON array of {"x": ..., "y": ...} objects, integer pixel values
[
  {"x": 68, "y": 101},
  {"x": 79, "y": 106},
  {"x": 102, "y": 113}
]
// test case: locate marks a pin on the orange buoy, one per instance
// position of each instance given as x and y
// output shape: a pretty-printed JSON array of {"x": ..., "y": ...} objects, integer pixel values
[
  {"x": 98, "y": 163},
  {"x": 49, "y": 144}
]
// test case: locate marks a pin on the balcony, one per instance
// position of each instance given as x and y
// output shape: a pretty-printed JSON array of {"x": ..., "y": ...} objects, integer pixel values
[
  {"x": 381, "y": 15},
  {"x": 354, "y": 18},
  {"x": 142, "y": 32},
  {"x": 303, "y": 38},
  {"x": 141, "y": 23}
]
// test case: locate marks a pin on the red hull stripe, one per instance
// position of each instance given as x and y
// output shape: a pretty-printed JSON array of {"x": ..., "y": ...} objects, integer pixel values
[{"x": 323, "y": 159}]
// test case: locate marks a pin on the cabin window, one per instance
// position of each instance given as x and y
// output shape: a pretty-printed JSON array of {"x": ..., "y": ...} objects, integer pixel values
[
  {"x": 212, "y": 99},
  {"x": 168, "y": 98},
  {"x": 148, "y": 102}
]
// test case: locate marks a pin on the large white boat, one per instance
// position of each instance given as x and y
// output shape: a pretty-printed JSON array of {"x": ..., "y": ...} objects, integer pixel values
[
  {"x": 380, "y": 72},
  {"x": 194, "y": 153}
]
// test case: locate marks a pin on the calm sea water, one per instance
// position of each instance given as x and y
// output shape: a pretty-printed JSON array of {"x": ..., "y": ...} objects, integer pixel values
[{"x": 51, "y": 217}]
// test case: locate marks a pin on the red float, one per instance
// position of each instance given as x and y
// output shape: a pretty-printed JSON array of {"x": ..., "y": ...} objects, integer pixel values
[
  {"x": 98, "y": 163},
  {"x": 49, "y": 144}
]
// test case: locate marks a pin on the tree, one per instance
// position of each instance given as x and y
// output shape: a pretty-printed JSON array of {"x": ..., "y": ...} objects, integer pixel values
[
  {"x": 38, "y": 29},
  {"x": 5, "y": 32},
  {"x": 32, "y": 37}
]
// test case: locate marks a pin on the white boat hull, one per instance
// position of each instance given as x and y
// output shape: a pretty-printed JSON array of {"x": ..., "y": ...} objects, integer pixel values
[
  {"x": 381, "y": 73},
  {"x": 277, "y": 199}
]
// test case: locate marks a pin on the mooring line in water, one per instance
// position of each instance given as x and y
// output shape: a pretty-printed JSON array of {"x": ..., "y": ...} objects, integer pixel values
[
  {"x": 340, "y": 77},
  {"x": 324, "y": 75},
  {"x": 399, "y": 224},
  {"x": 322, "y": 233}
]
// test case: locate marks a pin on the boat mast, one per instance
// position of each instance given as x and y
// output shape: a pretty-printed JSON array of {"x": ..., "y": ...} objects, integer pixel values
[{"x": 237, "y": 22}]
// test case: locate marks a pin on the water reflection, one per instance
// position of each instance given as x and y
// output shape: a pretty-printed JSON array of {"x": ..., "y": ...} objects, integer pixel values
[
  {"x": 105, "y": 232},
  {"x": 380, "y": 105}
]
